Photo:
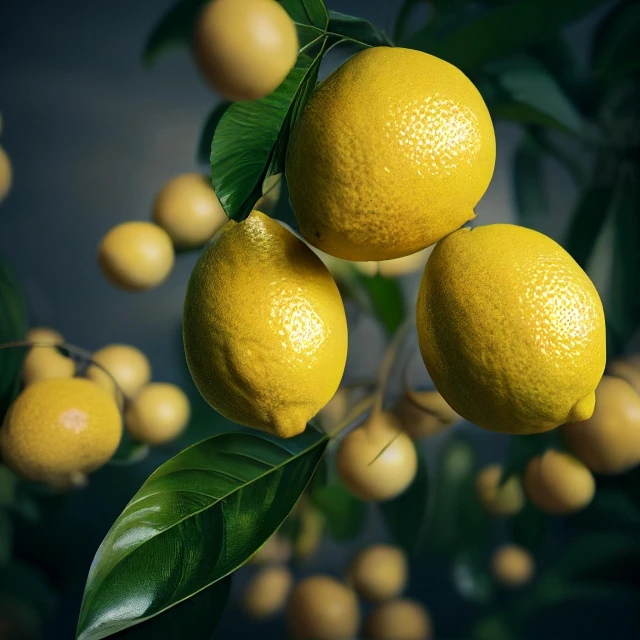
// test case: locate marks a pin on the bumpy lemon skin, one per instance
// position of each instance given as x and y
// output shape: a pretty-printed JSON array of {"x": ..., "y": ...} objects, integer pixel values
[
  {"x": 264, "y": 327},
  {"x": 379, "y": 572},
  {"x": 128, "y": 366},
  {"x": 511, "y": 329},
  {"x": 267, "y": 592},
  {"x": 399, "y": 620},
  {"x": 6, "y": 174},
  {"x": 59, "y": 427},
  {"x": 392, "y": 152},
  {"x": 188, "y": 209},
  {"x": 136, "y": 256},
  {"x": 609, "y": 441},
  {"x": 500, "y": 500},
  {"x": 512, "y": 566},
  {"x": 245, "y": 48}
]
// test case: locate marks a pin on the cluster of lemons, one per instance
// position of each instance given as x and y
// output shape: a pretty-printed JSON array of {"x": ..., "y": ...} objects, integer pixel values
[
  {"x": 62, "y": 425},
  {"x": 323, "y": 607},
  {"x": 6, "y": 173}
]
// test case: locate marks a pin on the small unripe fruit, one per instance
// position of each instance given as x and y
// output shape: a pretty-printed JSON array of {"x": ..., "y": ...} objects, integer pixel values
[
  {"x": 377, "y": 461},
  {"x": 609, "y": 441},
  {"x": 558, "y": 483},
  {"x": 379, "y": 572},
  {"x": 500, "y": 500},
  {"x": 127, "y": 365},
  {"x": 399, "y": 620},
  {"x": 135, "y": 256},
  {"x": 46, "y": 363},
  {"x": 424, "y": 413},
  {"x": 245, "y": 48},
  {"x": 44, "y": 335},
  {"x": 276, "y": 549},
  {"x": 158, "y": 414},
  {"x": 512, "y": 566},
  {"x": 6, "y": 174},
  {"x": 188, "y": 209},
  {"x": 321, "y": 608},
  {"x": 628, "y": 369},
  {"x": 267, "y": 592}
]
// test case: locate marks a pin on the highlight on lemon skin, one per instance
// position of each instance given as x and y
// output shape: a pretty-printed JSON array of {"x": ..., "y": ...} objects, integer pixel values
[
  {"x": 609, "y": 441},
  {"x": 60, "y": 427},
  {"x": 402, "y": 619},
  {"x": 500, "y": 499},
  {"x": 266, "y": 593},
  {"x": 377, "y": 461},
  {"x": 157, "y": 414},
  {"x": 188, "y": 209},
  {"x": 535, "y": 351},
  {"x": 558, "y": 483},
  {"x": 323, "y": 608},
  {"x": 122, "y": 365},
  {"x": 424, "y": 413},
  {"x": 136, "y": 256},
  {"x": 245, "y": 48},
  {"x": 379, "y": 572},
  {"x": 512, "y": 566}
]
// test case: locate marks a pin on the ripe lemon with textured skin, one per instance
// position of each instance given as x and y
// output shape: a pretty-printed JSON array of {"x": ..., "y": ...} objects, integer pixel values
[
  {"x": 512, "y": 566},
  {"x": 136, "y": 256},
  {"x": 511, "y": 329},
  {"x": 159, "y": 413},
  {"x": 59, "y": 427},
  {"x": 126, "y": 365},
  {"x": 401, "y": 619},
  {"x": 188, "y": 209},
  {"x": 265, "y": 332},
  {"x": 6, "y": 174},
  {"x": 392, "y": 152},
  {"x": 245, "y": 48}
]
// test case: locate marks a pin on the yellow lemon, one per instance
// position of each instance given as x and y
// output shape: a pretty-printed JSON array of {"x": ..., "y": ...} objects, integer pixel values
[
  {"x": 609, "y": 441},
  {"x": 512, "y": 566},
  {"x": 6, "y": 174},
  {"x": 60, "y": 427},
  {"x": 265, "y": 332},
  {"x": 267, "y": 592},
  {"x": 277, "y": 549},
  {"x": 558, "y": 483},
  {"x": 392, "y": 152},
  {"x": 500, "y": 500},
  {"x": 628, "y": 369},
  {"x": 159, "y": 413},
  {"x": 46, "y": 363},
  {"x": 399, "y": 620},
  {"x": 377, "y": 461},
  {"x": 424, "y": 413},
  {"x": 379, "y": 572},
  {"x": 511, "y": 329},
  {"x": 136, "y": 256},
  {"x": 245, "y": 48},
  {"x": 44, "y": 335},
  {"x": 128, "y": 366},
  {"x": 188, "y": 209},
  {"x": 322, "y": 608}
]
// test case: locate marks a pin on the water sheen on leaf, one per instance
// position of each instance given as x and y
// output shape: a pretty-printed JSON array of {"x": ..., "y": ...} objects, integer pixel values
[{"x": 196, "y": 519}]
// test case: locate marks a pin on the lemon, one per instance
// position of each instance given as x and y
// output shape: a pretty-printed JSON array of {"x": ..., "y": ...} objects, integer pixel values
[
  {"x": 335, "y": 410},
  {"x": 44, "y": 335},
  {"x": 6, "y": 174},
  {"x": 245, "y": 48},
  {"x": 392, "y": 152},
  {"x": 512, "y": 566},
  {"x": 128, "y": 366},
  {"x": 628, "y": 369},
  {"x": 46, "y": 363},
  {"x": 277, "y": 549},
  {"x": 60, "y": 427},
  {"x": 322, "y": 608},
  {"x": 159, "y": 413},
  {"x": 511, "y": 329},
  {"x": 136, "y": 256},
  {"x": 188, "y": 209},
  {"x": 265, "y": 333},
  {"x": 399, "y": 620},
  {"x": 377, "y": 461},
  {"x": 505, "y": 499},
  {"x": 609, "y": 441},
  {"x": 423, "y": 413},
  {"x": 267, "y": 592},
  {"x": 380, "y": 572},
  {"x": 310, "y": 532},
  {"x": 558, "y": 483}
]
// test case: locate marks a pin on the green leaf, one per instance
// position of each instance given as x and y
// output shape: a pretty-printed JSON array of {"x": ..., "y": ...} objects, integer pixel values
[
  {"x": 530, "y": 194},
  {"x": 406, "y": 516},
  {"x": 383, "y": 298},
  {"x": 345, "y": 515},
  {"x": 357, "y": 30},
  {"x": 250, "y": 140},
  {"x": 499, "y": 31},
  {"x": 307, "y": 12},
  {"x": 204, "y": 146},
  {"x": 529, "y": 527},
  {"x": 13, "y": 326},
  {"x": 196, "y": 519},
  {"x": 174, "y": 30},
  {"x": 195, "y": 618}
]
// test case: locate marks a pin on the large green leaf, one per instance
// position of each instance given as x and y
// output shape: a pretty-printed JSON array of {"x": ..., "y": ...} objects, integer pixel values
[
  {"x": 209, "y": 128},
  {"x": 356, "y": 30},
  {"x": 196, "y": 519},
  {"x": 345, "y": 515},
  {"x": 13, "y": 326},
  {"x": 529, "y": 185},
  {"x": 195, "y": 618},
  {"x": 499, "y": 31},
  {"x": 407, "y": 515}
]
